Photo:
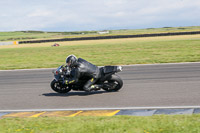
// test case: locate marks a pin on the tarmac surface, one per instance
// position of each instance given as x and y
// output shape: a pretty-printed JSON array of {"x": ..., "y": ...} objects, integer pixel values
[{"x": 146, "y": 88}]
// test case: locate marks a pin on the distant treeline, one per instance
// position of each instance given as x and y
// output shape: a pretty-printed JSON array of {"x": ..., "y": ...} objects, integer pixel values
[{"x": 112, "y": 37}]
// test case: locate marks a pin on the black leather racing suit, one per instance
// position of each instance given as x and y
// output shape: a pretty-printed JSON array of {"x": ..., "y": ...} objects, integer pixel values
[{"x": 84, "y": 68}]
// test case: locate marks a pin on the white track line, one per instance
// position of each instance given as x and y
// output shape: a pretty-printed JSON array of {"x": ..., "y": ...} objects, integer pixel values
[{"x": 120, "y": 108}]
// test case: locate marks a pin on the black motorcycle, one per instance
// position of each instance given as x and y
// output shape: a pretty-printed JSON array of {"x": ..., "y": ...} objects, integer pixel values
[{"x": 109, "y": 81}]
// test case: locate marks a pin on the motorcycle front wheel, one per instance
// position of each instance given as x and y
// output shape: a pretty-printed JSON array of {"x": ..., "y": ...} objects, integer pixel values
[
  {"x": 115, "y": 83},
  {"x": 57, "y": 87}
]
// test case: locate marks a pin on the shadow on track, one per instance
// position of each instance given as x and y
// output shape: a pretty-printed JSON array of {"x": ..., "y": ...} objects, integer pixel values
[{"x": 74, "y": 93}]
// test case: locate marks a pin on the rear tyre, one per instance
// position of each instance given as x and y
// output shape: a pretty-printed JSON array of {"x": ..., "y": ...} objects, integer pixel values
[
  {"x": 115, "y": 83},
  {"x": 55, "y": 85}
]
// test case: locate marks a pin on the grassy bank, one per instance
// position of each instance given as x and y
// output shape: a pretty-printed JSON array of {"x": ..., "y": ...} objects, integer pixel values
[
  {"x": 32, "y": 35},
  {"x": 103, "y": 52},
  {"x": 114, "y": 124}
]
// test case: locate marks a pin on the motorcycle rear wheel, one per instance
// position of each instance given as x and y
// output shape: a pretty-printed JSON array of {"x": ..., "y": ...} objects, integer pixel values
[
  {"x": 55, "y": 85},
  {"x": 115, "y": 83}
]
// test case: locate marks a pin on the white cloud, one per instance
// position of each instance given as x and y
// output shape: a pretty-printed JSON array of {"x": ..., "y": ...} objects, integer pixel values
[
  {"x": 40, "y": 13},
  {"x": 68, "y": 15}
]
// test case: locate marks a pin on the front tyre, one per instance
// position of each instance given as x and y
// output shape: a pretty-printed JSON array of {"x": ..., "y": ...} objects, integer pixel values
[
  {"x": 57, "y": 87},
  {"x": 115, "y": 83}
]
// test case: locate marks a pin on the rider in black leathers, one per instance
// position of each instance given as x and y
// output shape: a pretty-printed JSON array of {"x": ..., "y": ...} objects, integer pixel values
[{"x": 82, "y": 68}]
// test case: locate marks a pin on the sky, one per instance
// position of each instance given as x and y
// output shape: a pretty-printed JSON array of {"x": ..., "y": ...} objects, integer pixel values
[{"x": 88, "y": 15}]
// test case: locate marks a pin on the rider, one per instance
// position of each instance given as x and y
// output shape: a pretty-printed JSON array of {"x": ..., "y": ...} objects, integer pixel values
[{"x": 82, "y": 68}]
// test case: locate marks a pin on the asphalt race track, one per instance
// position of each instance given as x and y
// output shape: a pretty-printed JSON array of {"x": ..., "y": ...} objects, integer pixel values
[{"x": 162, "y": 85}]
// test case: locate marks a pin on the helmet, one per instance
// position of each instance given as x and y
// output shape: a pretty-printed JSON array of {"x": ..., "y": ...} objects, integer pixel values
[{"x": 71, "y": 60}]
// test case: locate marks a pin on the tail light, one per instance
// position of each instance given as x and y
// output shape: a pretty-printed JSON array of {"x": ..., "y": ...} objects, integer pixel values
[{"x": 56, "y": 72}]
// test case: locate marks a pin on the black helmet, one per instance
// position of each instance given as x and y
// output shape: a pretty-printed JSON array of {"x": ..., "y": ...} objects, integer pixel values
[{"x": 71, "y": 60}]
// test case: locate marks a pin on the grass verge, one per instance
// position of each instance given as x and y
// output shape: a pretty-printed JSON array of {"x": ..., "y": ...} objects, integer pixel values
[
  {"x": 104, "y": 52},
  {"x": 32, "y": 35},
  {"x": 114, "y": 124}
]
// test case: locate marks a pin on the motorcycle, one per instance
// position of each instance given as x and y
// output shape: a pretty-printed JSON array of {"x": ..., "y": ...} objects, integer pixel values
[{"x": 109, "y": 81}]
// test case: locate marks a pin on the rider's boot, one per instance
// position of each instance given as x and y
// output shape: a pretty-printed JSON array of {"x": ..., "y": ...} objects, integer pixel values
[{"x": 94, "y": 88}]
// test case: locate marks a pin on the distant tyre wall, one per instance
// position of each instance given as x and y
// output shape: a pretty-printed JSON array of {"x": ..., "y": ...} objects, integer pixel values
[{"x": 112, "y": 37}]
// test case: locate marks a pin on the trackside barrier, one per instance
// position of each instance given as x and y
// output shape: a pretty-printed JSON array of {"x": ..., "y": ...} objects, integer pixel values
[
  {"x": 112, "y": 37},
  {"x": 6, "y": 43},
  {"x": 9, "y": 43},
  {"x": 15, "y": 42},
  {"x": 101, "y": 37}
]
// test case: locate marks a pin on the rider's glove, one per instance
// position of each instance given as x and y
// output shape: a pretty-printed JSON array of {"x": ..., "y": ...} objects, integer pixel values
[{"x": 66, "y": 82}]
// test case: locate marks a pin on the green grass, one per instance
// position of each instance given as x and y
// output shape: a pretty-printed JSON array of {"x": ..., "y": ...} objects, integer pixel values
[
  {"x": 155, "y": 30},
  {"x": 30, "y": 35},
  {"x": 114, "y": 124},
  {"x": 19, "y": 35},
  {"x": 105, "y": 52}
]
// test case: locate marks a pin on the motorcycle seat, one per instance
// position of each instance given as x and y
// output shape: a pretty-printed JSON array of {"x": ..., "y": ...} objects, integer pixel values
[{"x": 109, "y": 69}]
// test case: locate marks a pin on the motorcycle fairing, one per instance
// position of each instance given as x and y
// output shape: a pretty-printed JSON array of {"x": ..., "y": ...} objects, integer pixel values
[{"x": 109, "y": 69}]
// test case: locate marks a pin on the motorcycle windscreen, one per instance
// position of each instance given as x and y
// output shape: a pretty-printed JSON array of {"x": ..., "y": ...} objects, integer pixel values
[{"x": 57, "y": 77}]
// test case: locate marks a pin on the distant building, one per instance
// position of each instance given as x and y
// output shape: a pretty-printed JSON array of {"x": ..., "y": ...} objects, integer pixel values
[{"x": 104, "y": 32}]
